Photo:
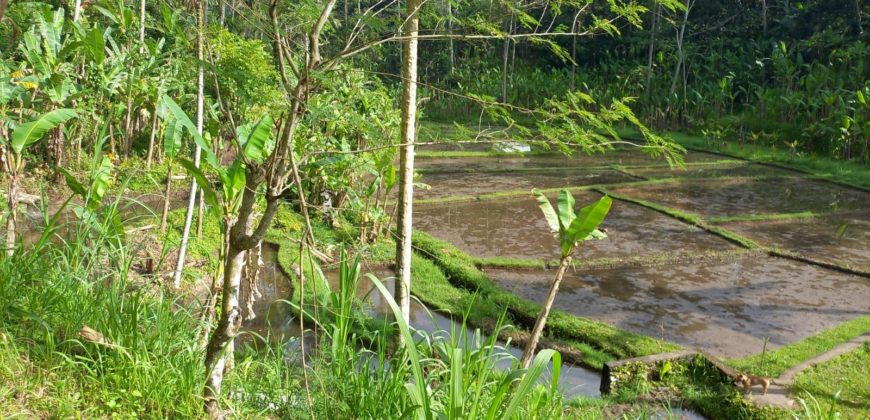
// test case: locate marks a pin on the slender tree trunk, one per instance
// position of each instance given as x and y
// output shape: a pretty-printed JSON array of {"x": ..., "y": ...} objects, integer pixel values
[
  {"x": 532, "y": 344},
  {"x": 151, "y": 138},
  {"x": 857, "y": 16},
  {"x": 166, "y": 192},
  {"x": 76, "y": 11},
  {"x": 505, "y": 56},
  {"x": 680, "y": 53},
  {"x": 3, "y": 8},
  {"x": 200, "y": 104},
  {"x": 450, "y": 32},
  {"x": 764, "y": 17},
  {"x": 406, "y": 161},
  {"x": 12, "y": 219},
  {"x": 652, "y": 46},
  {"x": 141, "y": 26}
]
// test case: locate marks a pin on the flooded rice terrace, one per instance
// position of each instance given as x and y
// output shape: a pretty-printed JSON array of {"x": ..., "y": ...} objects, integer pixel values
[{"x": 726, "y": 303}]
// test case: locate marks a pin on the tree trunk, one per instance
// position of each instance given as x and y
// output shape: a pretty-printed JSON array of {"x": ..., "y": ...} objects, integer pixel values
[
  {"x": 505, "y": 56},
  {"x": 165, "y": 214},
  {"x": 406, "y": 161},
  {"x": 217, "y": 351},
  {"x": 76, "y": 11},
  {"x": 200, "y": 104},
  {"x": 3, "y": 8},
  {"x": 532, "y": 344},
  {"x": 652, "y": 46},
  {"x": 450, "y": 32},
  {"x": 12, "y": 219},
  {"x": 141, "y": 26},
  {"x": 764, "y": 17},
  {"x": 151, "y": 139}
]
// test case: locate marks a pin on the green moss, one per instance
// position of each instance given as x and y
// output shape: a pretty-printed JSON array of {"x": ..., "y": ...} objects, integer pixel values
[
  {"x": 775, "y": 362},
  {"x": 762, "y": 217},
  {"x": 846, "y": 172}
]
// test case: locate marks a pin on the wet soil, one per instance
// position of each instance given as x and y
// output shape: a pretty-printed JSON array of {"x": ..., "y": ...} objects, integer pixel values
[
  {"x": 476, "y": 183},
  {"x": 747, "y": 170},
  {"x": 745, "y": 197},
  {"x": 725, "y": 308},
  {"x": 577, "y": 160},
  {"x": 515, "y": 228},
  {"x": 836, "y": 238}
]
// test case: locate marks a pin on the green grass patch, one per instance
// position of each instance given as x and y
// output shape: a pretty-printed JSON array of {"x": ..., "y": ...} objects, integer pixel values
[
  {"x": 839, "y": 384},
  {"x": 846, "y": 172},
  {"x": 762, "y": 217},
  {"x": 775, "y": 362}
]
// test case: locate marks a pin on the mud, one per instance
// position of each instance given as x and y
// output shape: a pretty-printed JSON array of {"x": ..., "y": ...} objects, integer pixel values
[
  {"x": 515, "y": 228},
  {"x": 746, "y": 197},
  {"x": 725, "y": 308},
  {"x": 747, "y": 170},
  {"x": 837, "y": 238},
  {"x": 476, "y": 183},
  {"x": 555, "y": 160}
]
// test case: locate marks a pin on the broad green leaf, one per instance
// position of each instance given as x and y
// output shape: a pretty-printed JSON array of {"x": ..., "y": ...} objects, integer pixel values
[
  {"x": 185, "y": 121},
  {"x": 101, "y": 180},
  {"x": 588, "y": 219},
  {"x": 233, "y": 181},
  {"x": 547, "y": 209},
  {"x": 30, "y": 132},
  {"x": 172, "y": 137},
  {"x": 566, "y": 209},
  {"x": 73, "y": 183},
  {"x": 390, "y": 177},
  {"x": 253, "y": 141},
  {"x": 202, "y": 182}
]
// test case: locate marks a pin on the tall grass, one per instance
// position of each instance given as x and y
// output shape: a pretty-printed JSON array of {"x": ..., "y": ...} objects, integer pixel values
[{"x": 146, "y": 360}]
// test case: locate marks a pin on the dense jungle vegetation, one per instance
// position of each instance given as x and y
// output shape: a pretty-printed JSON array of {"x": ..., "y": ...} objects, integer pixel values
[{"x": 153, "y": 150}]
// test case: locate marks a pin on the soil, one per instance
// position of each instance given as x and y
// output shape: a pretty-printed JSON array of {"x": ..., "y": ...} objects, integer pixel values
[
  {"x": 725, "y": 308},
  {"x": 515, "y": 228}
]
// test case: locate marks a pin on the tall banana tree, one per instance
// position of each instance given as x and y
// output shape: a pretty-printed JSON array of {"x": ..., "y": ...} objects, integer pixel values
[
  {"x": 571, "y": 228},
  {"x": 12, "y": 151}
]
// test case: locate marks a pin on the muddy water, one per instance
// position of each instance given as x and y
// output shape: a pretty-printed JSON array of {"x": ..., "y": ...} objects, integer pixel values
[
  {"x": 837, "y": 238},
  {"x": 711, "y": 171},
  {"x": 744, "y": 197},
  {"x": 726, "y": 308},
  {"x": 277, "y": 322},
  {"x": 578, "y": 160},
  {"x": 476, "y": 183},
  {"x": 516, "y": 228}
]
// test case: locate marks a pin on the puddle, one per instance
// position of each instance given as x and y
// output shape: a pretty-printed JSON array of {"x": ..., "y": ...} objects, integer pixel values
[
  {"x": 726, "y": 308},
  {"x": 277, "y": 322},
  {"x": 476, "y": 183},
  {"x": 836, "y": 238},
  {"x": 745, "y": 197},
  {"x": 712, "y": 171},
  {"x": 516, "y": 228}
]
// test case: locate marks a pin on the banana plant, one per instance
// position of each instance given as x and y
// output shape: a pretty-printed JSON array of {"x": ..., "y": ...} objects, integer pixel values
[
  {"x": 571, "y": 229},
  {"x": 12, "y": 157}
]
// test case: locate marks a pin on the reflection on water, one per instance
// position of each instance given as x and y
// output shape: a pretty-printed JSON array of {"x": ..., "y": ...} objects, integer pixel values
[{"x": 276, "y": 322}]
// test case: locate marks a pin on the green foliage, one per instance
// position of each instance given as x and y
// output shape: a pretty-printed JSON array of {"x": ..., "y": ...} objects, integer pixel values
[
  {"x": 30, "y": 132},
  {"x": 246, "y": 75},
  {"x": 572, "y": 227}
]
